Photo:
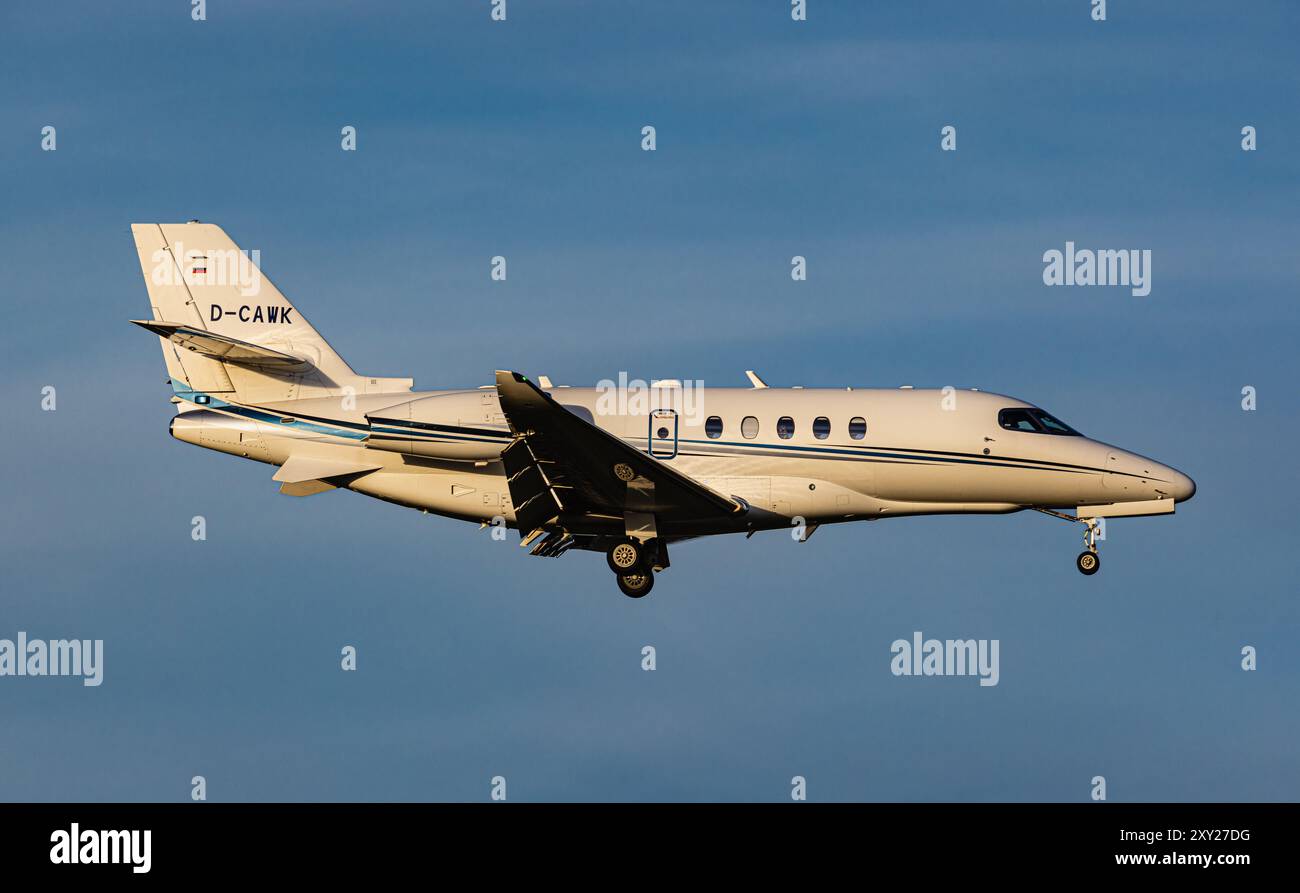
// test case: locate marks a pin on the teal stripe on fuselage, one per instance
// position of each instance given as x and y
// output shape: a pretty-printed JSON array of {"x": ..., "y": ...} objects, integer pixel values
[
  {"x": 278, "y": 421},
  {"x": 260, "y": 415},
  {"x": 333, "y": 428}
]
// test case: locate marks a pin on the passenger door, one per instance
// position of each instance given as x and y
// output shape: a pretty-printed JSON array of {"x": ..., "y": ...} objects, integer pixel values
[{"x": 663, "y": 433}]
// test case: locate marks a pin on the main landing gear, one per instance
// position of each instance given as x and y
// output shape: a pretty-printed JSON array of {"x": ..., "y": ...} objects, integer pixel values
[
  {"x": 634, "y": 563},
  {"x": 1089, "y": 561}
]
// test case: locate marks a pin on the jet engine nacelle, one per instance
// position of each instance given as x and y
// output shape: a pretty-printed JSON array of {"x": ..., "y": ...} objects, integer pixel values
[
  {"x": 238, "y": 437},
  {"x": 466, "y": 425}
]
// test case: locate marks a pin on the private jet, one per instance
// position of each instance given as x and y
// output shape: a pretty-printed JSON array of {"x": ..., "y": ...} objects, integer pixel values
[{"x": 599, "y": 469}]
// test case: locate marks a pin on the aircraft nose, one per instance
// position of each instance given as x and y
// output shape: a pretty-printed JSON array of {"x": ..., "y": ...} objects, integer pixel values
[{"x": 1182, "y": 488}]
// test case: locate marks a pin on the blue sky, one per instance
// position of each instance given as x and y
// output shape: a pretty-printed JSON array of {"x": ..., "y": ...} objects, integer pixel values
[{"x": 775, "y": 138}]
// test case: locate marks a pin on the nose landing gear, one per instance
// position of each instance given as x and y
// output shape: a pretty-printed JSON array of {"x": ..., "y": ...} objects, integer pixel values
[{"x": 1089, "y": 561}]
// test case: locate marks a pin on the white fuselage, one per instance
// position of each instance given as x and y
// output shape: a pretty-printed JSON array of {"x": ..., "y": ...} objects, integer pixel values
[{"x": 803, "y": 453}]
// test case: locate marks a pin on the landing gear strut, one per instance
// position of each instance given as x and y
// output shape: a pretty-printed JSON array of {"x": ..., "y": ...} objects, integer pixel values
[{"x": 1089, "y": 561}]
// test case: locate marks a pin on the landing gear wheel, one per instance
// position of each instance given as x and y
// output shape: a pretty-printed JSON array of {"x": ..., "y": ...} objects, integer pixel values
[
  {"x": 1088, "y": 563},
  {"x": 626, "y": 557},
  {"x": 637, "y": 585}
]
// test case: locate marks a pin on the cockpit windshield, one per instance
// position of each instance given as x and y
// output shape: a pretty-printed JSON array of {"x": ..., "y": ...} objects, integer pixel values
[
  {"x": 1051, "y": 424},
  {"x": 1034, "y": 421}
]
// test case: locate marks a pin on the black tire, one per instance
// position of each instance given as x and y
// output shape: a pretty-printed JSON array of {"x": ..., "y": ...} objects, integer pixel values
[
  {"x": 1088, "y": 563},
  {"x": 626, "y": 557},
  {"x": 637, "y": 585}
]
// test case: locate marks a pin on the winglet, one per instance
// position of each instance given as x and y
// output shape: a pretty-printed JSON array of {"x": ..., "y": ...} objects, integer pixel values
[
  {"x": 754, "y": 379},
  {"x": 520, "y": 399}
]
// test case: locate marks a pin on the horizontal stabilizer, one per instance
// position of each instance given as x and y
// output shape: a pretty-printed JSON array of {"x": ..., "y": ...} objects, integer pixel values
[
  {"x": 298, "y": 469},
  {"x": 223, "y": 347}
]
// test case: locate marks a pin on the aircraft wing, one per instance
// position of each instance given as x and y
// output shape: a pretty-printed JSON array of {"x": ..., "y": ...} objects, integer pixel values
[
  {"x": 561, "y": 465},
  {"x": 222, "y": 347}
]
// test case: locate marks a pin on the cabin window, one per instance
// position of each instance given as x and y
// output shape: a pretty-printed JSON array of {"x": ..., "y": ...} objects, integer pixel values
[
  {"x": 713, "y": 427},
  {"x": 785, "y": 427},
  {"x": 821, "y": 427},
  {"x": 857, "y": 427},
  {"x": 749, "y": 427}
]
